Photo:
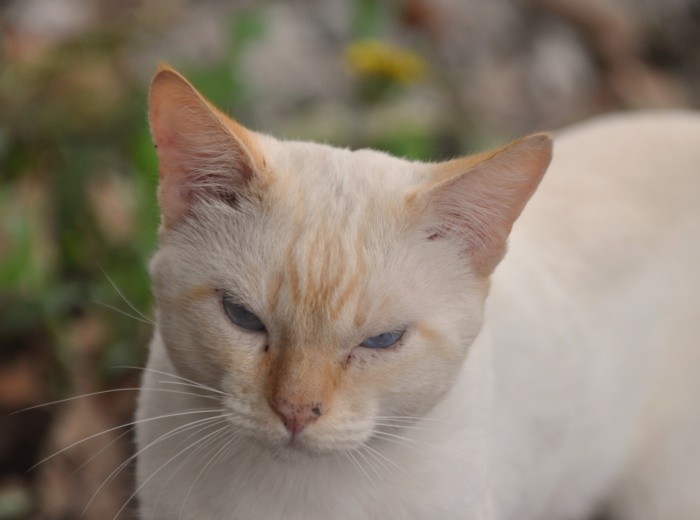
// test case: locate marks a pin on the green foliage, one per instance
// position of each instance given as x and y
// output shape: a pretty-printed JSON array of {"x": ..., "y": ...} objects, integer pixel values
[
  {"x": 223, "y": 82},
  {"x": 369, "y": 17},
  {"x": 411, "y": 143}
]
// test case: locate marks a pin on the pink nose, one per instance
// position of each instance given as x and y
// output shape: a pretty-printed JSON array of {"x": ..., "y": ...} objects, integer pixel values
[{"x": 295, "y": 416}]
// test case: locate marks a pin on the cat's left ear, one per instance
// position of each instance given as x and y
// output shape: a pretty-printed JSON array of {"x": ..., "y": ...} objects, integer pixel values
[{"x": 476, "y": 199}]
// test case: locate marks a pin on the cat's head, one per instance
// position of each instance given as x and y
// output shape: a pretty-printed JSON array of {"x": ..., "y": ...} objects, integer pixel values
[{"x": 322, "y": 289}]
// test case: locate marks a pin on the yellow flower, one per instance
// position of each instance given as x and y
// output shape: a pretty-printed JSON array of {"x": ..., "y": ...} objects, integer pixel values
[{"x": 373, "y": 58}]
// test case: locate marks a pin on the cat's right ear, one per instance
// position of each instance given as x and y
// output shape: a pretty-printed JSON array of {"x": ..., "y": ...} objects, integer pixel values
[
  {"x": 202, "y": 154},
  {"x": 475, "y": 200}
]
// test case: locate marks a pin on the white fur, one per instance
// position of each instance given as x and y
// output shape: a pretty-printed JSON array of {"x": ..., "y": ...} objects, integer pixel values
[{"x": 579, "y": 392}]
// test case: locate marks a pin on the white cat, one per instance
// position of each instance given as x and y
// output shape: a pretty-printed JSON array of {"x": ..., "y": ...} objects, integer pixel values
[{"x": 325, "y": 347}]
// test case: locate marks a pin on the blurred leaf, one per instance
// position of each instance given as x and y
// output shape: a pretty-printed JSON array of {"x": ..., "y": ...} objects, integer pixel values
[
  {"x": 19, "y": 316},
  {"x": 145, "y": 178},
  {"x": 247, "y": 26},
  {"x": 15, "y": 502},
  {"x": 368, "y": 17},
  {"x": 224, "y": 83},
  {"x": 415, "y": 144}
]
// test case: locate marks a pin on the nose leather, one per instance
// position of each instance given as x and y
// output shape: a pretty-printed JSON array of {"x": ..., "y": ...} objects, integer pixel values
[{"x": 296, "y": 416}]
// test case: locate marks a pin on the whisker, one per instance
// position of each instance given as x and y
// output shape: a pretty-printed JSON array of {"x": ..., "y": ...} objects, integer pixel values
[
  {"x": 401, "y": 441},
  {"x": 131, "y": 497},
  {"x": 120, "y": 311},
  {"x": 76, "y": 443},
  {"x": 438, "y": 450},
  {"x": 85, "y": 463},
  {"x": 124, "y": 464},
  {"x": 191, "y": 385},
  {"x": 400, "y": 437},
  {"x": 184, "y": 461},
  {"x": 383, "y": 456},
  {"x": 485, "y": 484},
  {"x": 406, "y": 418},
  {"x": 200, "y": 385},
  {"x": 133, "y": 308},
  {"x": 412, "y": 427},
  {"x": 357, "y": 463},
  {"x": 237, "y": 440},
  {"x": 388, "y": 459},
  {"x": 370, "y": 464},
  {"x": 201, "y": 472},
  {"x": 101, "y": 392},
  {"x": 367, "y": 456}
]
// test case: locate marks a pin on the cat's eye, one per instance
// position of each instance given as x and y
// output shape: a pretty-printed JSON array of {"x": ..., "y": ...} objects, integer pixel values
[
  {"x": 384, "y": 340},
  {"x": 241, "y": 316}
]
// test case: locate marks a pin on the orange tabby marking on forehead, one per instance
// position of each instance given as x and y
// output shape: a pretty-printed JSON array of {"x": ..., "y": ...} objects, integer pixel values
[
  {"x": 346, "y": 293},
  {"x": 341, "y": 293},
  {"x": 292, "y": 272},
  {"x": 361, "y": 315},
  {"x": 345, "y": 290},
  {"x": 279, "y": 278},
  {"x": 324, "y": 269},
  {"x": 319, "y": 276},
  {"x": 273, "y": 293}
]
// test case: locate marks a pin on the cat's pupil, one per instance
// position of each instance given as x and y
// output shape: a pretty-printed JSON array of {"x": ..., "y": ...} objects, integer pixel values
[{"x": 241, "y": 316}]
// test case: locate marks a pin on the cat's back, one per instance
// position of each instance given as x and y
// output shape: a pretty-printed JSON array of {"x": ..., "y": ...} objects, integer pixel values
[
  {"x": 599, "y": 290},
  {"x": 615, "y": 224},
  {"x": 621, "y": 190},
  {"x": 649, "y": 157}
]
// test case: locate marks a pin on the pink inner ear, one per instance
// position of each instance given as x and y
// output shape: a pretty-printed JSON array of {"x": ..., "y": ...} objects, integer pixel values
[
  {"x": 165, "y": 139},
  {"x": 476, "y": 200},
  {"x": 478, "y": 228},
  {"x": 174, "y": 199},
  {"x": 199, "y": 155}
]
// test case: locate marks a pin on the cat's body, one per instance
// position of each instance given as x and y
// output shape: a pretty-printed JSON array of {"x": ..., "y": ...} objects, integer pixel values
[
  {"x": 577, "y": 392},
  {"x": 595, "y": 322}
]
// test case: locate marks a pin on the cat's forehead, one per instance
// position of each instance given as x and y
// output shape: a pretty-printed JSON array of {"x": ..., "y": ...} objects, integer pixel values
[
  {"x": 331, "y": 219},
  {"x": 325, "y": 175}
]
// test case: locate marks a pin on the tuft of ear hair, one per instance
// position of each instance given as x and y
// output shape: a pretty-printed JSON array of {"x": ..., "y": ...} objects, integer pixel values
[
  {"x": 476, "y": 199},
  {"x": 201, "y": 152}
]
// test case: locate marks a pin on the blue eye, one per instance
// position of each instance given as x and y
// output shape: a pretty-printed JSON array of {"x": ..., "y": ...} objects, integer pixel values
[
  {"x": 241, "y": 316},
  {"x": 383, "y": 340}
]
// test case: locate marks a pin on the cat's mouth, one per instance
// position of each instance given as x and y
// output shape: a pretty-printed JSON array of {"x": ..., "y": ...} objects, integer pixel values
[
  {"x": 316, "y": 440},
  {"x": 302, "y": 450},
  {"x": 312, "y": 446},
  {"x": 306, "y": 445}
]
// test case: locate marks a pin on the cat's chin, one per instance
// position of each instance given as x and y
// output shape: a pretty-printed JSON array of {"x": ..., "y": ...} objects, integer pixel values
[
  {"x": 294, "y": 453},
  {"x": 304, "y": 449}
]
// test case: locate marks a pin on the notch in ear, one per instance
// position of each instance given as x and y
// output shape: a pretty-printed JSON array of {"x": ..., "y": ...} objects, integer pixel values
[
  {"x": 202, "y": 154},
  {"x": 476, "y": 199}
]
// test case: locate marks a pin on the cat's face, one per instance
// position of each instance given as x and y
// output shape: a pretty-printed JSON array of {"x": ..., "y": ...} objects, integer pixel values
[{"x": 322, "y": 290}]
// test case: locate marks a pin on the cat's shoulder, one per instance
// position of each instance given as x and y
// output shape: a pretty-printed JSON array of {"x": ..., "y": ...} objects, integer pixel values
[{"x": 630, "y": 128}]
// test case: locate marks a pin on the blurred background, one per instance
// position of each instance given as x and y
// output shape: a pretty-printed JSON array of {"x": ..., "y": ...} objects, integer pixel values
[{"x": 424, "y": 79}]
